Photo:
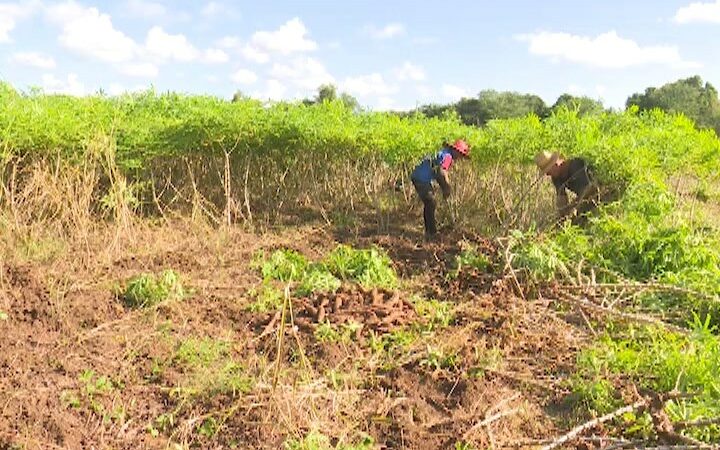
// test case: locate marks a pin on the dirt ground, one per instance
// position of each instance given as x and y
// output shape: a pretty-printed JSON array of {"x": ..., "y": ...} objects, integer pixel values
[{"x": 79, "y": 369}]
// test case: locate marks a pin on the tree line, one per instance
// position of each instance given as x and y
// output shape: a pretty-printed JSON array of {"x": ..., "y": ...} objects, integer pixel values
[{"x": 690, "y": 96}]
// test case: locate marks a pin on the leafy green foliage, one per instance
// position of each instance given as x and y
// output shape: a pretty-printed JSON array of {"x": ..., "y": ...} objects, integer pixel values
[
  {"x": 688, "y": 96},
  {"x": 318, "y": 279},
  {"x": 95, "y": 393},
  {"x": 469, "y": 259},
  {"x": 318, "y": 441},
  {"x": 581, "y": 105},
  {"x": 267, "y": 298},
  {"x": 438, "y": 359},
  {"x": 489, "y": 105},
  {"x": 594, "y": 395},
  {"x": 542, "y": 259},
  {"x": 369, "y": 267},
  {"x": 660, "y": 361},
  {"x": 148, "y": 289},
  {"x": 437, "y": 314},
  {"x": 283, "y": 265}
]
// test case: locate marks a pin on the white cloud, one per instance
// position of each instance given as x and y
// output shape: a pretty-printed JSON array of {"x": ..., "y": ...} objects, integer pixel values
[
  {"x": 306, "y": 73},
  {"x": 140, "y": 69},
  {"x": 244, "y": 76},
  {"x": 388, "y": 31},
  {"x": 607, "y": 50},
  {"x": 253, "y": 54},
  {"x": 214, "y": 9},
  {"x": 289, "y": 38},
  {"x": 699, "y": 12},
  {"x": 70, "y": 86},
  {"x": 424, "y": 91},
  {"x": 169, "y": 46},
  {"x": 453, "y": 92},
  {"x": 274, "y": 90},
  {"x": 145, "y": 9},
  {"x": 215, "y": 56},
  {"x": 33, "y": 59},
  {"x": 10, "y": 13},
  {"x": 409, "y": 71},
  {"x": 248, "y": 51},
  {"x": 365, "y": 85},
  {"x": 229, "y": 42},
  {"x": 87, "y": 31}
]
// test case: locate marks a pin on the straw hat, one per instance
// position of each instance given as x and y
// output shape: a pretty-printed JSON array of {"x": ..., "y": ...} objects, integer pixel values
[{"x": 546, "y": 159}]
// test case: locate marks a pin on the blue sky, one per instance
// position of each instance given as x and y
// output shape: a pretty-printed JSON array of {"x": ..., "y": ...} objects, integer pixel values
[{"x": 393, "y": 54}]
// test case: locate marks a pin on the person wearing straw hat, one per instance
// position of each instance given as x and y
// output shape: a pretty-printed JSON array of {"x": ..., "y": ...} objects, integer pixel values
[
  {"x": 436, "y": 167},
  {"x": 569, "y": 175}
]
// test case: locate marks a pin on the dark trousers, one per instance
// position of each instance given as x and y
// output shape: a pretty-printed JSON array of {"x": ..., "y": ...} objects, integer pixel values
[{"x": 425, "y": 192}]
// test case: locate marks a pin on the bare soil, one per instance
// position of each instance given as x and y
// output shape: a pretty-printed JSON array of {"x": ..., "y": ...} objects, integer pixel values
[{"x": 67, "y": 338}]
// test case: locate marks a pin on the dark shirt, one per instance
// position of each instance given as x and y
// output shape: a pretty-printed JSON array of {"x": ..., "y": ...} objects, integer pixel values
[{"x": 574, "y": 175}]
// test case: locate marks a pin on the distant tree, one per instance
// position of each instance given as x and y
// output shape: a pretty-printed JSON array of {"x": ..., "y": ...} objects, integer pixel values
[
  {"x": 350, "y": 102},
  {"x": 583, "y": 105},
  {"x": 688, "y": 96},
  {"x": 504, "y": 105},
  {"x": 489, "y": 105},
  {"x": 434, "y": 110},
  {"x": 238, "y": 96},
  {"x": 471, "y": 111},
  {"x": 326, "y": 92}
]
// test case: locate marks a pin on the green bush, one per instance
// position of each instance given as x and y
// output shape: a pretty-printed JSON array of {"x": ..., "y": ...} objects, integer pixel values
[
  {"x": 148, "y": 289},
  {"x": 661, "y": 361},
  {"x": 368, "y": 267},
  {"x": 317, "y": 278},
  {"x": 283, "y": 265}
]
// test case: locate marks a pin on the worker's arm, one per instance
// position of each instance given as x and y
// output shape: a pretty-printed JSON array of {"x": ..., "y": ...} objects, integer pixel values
[{"x": 444, "y": 182}]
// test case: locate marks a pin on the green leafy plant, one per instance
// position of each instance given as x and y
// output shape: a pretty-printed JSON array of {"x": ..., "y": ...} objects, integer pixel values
[
  {"x": 148, "y": 289},
  {"x": 267, "y": 298},
  {"x": 317, "y": 279},
  {"x": 283, "y": 265},
  {"x": 438, "y": 359},
  {"x": 94, "y": 393},
  {"x": 469, "y": 259},
  {"x": 315, "y": 440},
  {"x": 661, "y": 361},
  {"x": 437, "y": 314},
  {"x": 369, "y": 267},
  {"x": 326, "y": 332}
]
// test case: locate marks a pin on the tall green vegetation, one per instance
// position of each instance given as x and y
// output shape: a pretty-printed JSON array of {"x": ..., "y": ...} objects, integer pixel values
[
  {"x": 246, "y": 155},
  {"x": 688, "y": 96}
]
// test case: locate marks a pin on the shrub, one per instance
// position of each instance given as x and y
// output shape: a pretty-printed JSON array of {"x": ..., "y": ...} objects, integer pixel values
[
  {"x": 148, "y": 289},
  {"x": 369, "y": 267}
]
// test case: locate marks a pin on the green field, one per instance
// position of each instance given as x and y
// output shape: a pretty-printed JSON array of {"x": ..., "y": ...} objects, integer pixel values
[{"x": 187, "y": 272}]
